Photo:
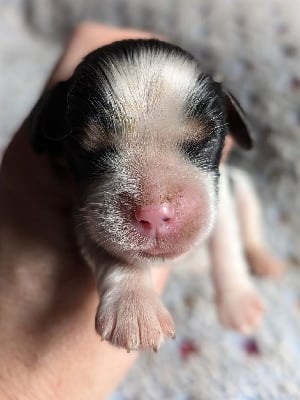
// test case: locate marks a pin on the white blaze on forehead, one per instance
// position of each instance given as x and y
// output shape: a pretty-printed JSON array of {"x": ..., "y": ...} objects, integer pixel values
[{"x": 151, "y": 90}]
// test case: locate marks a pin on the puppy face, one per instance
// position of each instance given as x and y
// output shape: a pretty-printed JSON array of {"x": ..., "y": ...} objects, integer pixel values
[{"x": 142, "y": 129}]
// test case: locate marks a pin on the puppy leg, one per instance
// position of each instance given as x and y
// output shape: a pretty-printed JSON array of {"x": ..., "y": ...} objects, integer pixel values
[
  {"x": 249, "y": 213},
  {"x": 130, "y": 313},
  {"x": 238, "y": 304}
]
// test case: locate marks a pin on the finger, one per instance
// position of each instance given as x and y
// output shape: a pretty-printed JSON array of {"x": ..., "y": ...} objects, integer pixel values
[
  {"x": 160, "y": 276},
  {"x": 86, "y": 38}
]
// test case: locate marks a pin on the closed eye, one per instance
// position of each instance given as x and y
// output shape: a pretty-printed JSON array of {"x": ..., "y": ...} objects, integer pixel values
[
  {"x": 203, "y": 153},
  {"x": 88, "y": 164},
  {"x": 102, "y": 160}
]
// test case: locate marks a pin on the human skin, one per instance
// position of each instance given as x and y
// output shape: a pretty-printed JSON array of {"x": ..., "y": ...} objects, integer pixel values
[{"x": 48, "y": 345}]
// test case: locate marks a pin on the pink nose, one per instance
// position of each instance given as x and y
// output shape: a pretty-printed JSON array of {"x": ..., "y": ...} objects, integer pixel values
[{"x": 155, "y": 220}]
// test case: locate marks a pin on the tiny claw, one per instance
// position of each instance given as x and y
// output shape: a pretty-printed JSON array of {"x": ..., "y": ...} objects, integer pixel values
[
  {"x": 128, "y": 350},
  {"x": 172, "y": 334},
  {"x": 155, "y": 349}
]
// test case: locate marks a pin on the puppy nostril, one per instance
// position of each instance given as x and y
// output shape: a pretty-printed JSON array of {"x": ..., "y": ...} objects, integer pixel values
[
  {"x": 145, "y": 224},
  {"x": 155, "y": 219}
]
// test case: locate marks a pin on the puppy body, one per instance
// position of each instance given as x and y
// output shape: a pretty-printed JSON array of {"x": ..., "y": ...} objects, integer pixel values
[{"x": 142, "y": 130}]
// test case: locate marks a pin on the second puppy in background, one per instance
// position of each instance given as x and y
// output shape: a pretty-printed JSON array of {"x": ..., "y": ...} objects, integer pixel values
[{"x": 140, "y": 129}]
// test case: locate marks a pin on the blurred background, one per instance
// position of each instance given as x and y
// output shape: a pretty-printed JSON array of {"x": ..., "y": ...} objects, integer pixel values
[{"x": 254, "y": 46}]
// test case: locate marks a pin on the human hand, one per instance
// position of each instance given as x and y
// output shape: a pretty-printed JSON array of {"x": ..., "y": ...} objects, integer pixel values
[{"x": 48, "y": 345}]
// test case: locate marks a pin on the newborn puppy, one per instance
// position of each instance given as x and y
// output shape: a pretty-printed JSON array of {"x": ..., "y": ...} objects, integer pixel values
[{"x": 142, "y": 130}]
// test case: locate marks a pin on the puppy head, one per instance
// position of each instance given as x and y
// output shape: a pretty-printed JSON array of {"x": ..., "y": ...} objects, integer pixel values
[{"x": 142, "y": 129}]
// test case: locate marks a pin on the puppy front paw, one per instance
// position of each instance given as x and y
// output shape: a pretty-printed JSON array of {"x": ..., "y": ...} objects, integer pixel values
[
  {"x": 133, "y": 319},
  {"x": 240, "y": 309}
]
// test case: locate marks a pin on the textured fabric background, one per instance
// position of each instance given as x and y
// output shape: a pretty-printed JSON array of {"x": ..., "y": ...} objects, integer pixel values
[{"x": 254, "y": 46}]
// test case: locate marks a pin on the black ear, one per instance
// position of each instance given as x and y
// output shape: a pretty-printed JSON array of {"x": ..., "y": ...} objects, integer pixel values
[
  {"x": 237, "y": 122},
  {"x": 47, "y": 124}
]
